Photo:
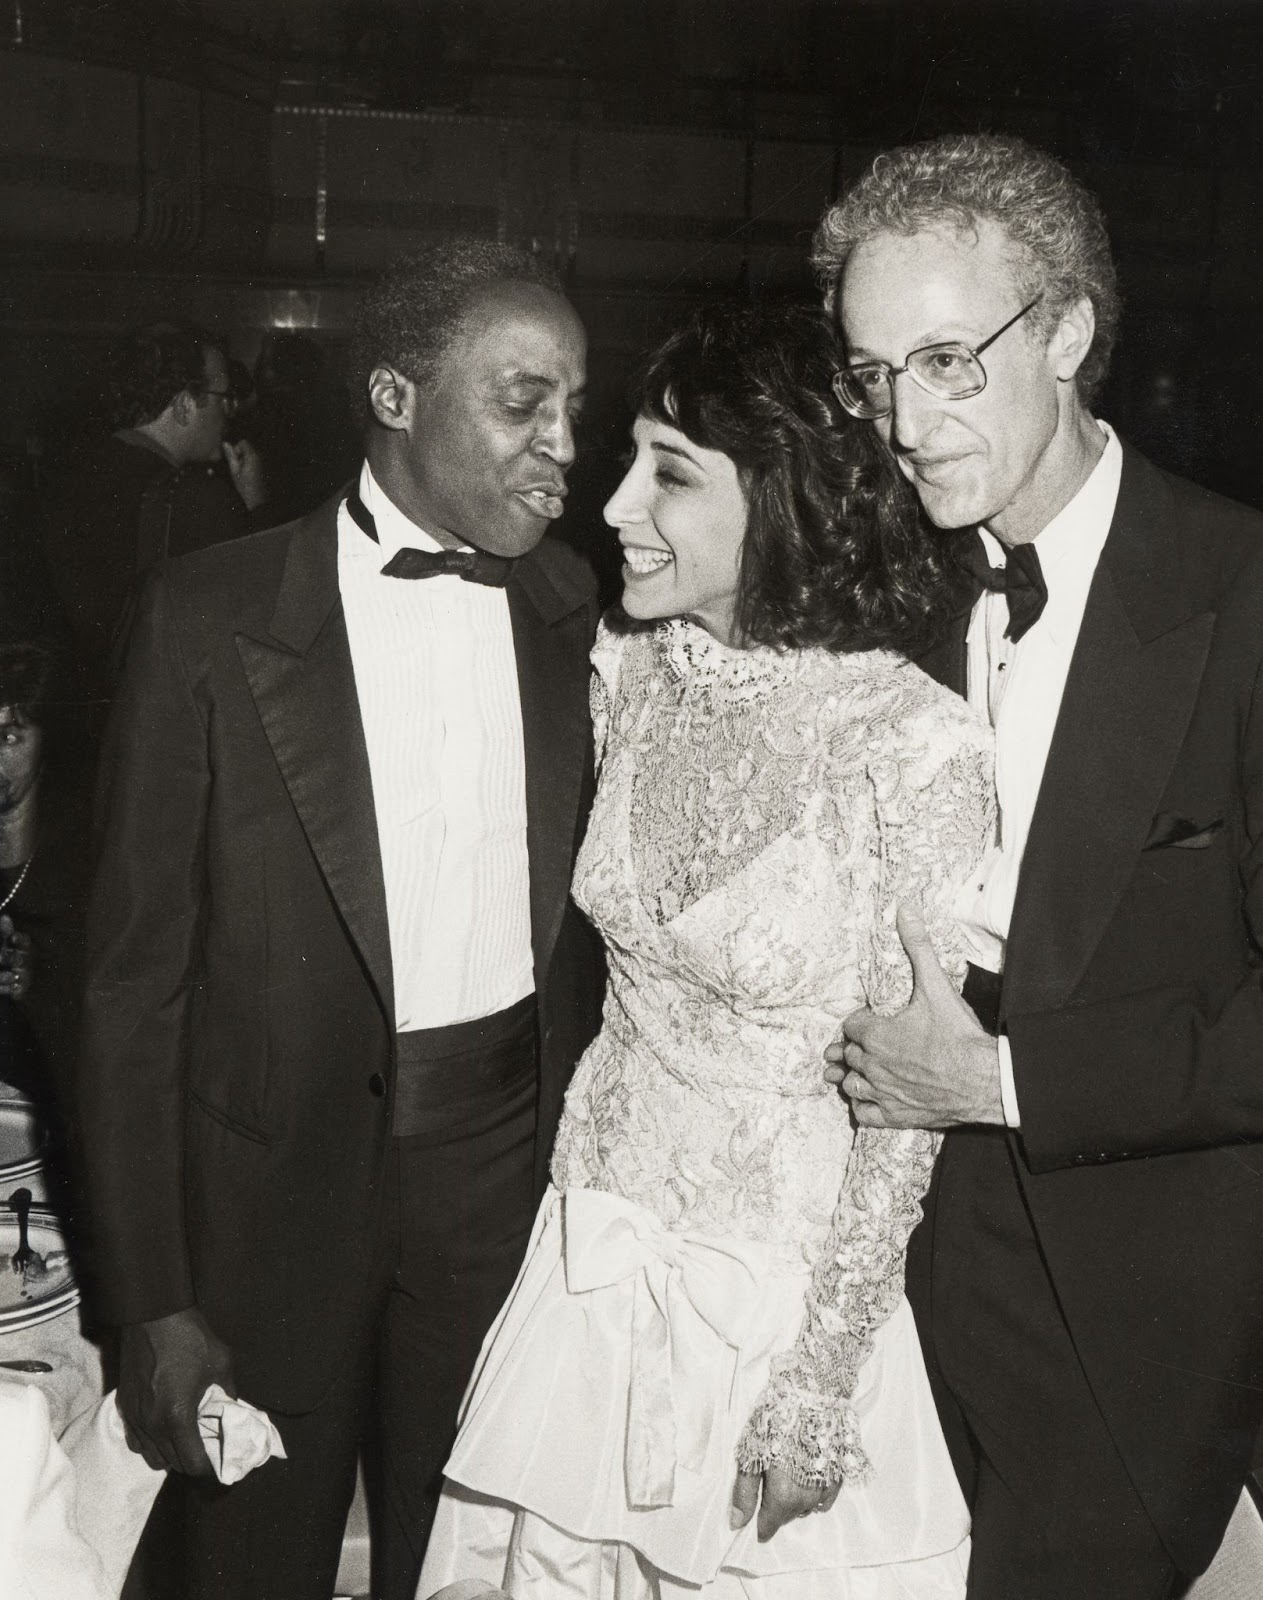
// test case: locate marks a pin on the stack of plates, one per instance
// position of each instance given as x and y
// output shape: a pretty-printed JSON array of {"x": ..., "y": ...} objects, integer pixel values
[
  {"x": 47, "y": 1287},
  {"x": 21, "y": 1145}
]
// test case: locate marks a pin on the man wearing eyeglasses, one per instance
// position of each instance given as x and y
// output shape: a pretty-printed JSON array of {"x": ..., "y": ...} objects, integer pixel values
[
  {"x": 1088, "y": 1279},
  {"x": 141, "y": 494}
]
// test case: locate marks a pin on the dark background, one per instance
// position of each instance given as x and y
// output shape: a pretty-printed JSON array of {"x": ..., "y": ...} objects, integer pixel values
[{"x": 248, "y": 163}]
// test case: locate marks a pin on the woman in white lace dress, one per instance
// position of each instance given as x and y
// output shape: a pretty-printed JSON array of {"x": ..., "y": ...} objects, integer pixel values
[{"x": 712, "y": 1300}]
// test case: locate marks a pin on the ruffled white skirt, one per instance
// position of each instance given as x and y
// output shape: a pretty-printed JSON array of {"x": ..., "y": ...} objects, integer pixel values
[{"x": 596, "y": 1451}]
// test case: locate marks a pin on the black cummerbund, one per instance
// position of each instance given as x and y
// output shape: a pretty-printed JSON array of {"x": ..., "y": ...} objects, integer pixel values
[
  {"x": 448, "y": 1076},
  {"x": 982, "y": 994}
]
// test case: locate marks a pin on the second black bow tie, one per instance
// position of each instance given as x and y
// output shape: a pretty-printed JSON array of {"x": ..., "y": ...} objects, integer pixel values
[
  {"x": 474, "y": 566},
  {"x": 1021, "y": 580}
]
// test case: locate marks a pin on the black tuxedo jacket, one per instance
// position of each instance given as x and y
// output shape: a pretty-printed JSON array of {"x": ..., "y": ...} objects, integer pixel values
[
  {"x": 239, "y": 1008},
  {"x": 1133, "y": 997}
]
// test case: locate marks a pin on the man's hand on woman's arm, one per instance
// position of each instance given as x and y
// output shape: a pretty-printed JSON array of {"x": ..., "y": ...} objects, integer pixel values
[{"x": 930, "y": 1065}]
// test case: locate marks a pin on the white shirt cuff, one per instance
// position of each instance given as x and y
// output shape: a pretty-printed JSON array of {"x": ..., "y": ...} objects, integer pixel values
[{"x": 1008, "y": 1089}]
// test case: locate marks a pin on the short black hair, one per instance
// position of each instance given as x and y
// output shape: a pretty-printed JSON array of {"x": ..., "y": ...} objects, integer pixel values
[
  {"x": 835, "y": 553},
  {"x": 150, "y": 366},
  {"x": 411, "y": 314}
]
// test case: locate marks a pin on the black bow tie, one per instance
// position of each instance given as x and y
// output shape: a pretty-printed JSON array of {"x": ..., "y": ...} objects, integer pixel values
[
  {"x": 1021, "y": 580},
  {"x": 474, "y": 566}
]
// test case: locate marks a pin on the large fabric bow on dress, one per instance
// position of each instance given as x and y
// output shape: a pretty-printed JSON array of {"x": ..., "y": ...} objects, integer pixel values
[{"x": 689, "y": 1290}]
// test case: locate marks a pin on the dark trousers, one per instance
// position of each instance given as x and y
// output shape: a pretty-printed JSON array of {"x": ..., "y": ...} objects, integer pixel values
[
  {"x": 457, "y": 1213},
  {"x": 1055, "y": 1513},
  {"x": 1054, "y": 1509}
]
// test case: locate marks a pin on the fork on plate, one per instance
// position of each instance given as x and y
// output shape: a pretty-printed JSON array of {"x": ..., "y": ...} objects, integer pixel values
[{"x": 20, "y": 1201}]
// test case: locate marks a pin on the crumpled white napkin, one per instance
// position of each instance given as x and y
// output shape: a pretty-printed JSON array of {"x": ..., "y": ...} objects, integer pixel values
[{"x": 238, "y": 1436}]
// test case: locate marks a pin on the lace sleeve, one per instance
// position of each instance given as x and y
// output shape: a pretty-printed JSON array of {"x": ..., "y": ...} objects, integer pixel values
[
  {"x": 606, "y": 655},
  {"x": 934, "y": 817}
]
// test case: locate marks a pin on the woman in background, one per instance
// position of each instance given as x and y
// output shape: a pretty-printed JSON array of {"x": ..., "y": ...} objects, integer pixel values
[
  {"x": 713, "y": 1298},
  {"x": 36, "y": 1011}
]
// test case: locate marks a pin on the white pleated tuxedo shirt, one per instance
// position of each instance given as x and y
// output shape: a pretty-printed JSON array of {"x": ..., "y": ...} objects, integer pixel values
[
  {"x": 1018, "y": 688},
  {"x": 436, "y": 677}
]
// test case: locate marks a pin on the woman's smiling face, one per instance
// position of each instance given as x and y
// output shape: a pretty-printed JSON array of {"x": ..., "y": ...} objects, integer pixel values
[
  {"x": 20, "y": 746},
  {"x": 681, "y": 518}
]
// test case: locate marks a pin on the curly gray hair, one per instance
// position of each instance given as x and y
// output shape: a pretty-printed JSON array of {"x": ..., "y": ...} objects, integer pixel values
[{"x": 1063, "y": 248}]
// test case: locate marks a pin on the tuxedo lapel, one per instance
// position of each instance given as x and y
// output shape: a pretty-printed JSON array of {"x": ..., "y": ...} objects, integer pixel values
[
  {"x": 303, "y": 685},
  {"x": 550, "y": 641},
  {"x": 1129, "y": 695},
  {"x": 947, "y": 659}
]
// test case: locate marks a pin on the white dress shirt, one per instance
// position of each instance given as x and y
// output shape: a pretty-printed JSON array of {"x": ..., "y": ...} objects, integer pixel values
[
  {"x": 436, "y": 677},
  {"x": 1018, "y": 687}
]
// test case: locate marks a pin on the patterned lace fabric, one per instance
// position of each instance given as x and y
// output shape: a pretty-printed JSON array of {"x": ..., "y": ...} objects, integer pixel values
[{"x": 759, "y": 817}]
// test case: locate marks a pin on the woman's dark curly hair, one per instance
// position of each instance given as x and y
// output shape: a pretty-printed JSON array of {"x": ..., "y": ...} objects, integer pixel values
[
  {"x": 834, "y": 552},
  {"x": 26, "y": 672}
]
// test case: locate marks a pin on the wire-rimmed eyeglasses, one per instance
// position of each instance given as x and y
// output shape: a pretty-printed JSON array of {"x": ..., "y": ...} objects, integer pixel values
[{"x": 952, "y": 371}]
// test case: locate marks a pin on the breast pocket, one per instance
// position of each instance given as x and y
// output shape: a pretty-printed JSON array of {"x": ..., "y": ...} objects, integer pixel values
[{"x": 1171, "y": 831}]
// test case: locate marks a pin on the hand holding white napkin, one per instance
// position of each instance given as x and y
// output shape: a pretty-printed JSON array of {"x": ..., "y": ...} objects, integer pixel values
[{"x": 238, "y": 1437}]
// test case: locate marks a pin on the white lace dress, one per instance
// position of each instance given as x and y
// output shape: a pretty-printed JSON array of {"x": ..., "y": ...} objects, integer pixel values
[{"x": 716, "y": 1277}]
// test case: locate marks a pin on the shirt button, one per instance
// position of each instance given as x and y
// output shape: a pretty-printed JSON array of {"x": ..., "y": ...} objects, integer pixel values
[{"x": 377, "y": 1086}]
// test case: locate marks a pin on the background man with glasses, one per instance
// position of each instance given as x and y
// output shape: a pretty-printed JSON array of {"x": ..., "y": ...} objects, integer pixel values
[
  {"x": 1088, "y": 1279},
  {"x": 118, "y": 506}
]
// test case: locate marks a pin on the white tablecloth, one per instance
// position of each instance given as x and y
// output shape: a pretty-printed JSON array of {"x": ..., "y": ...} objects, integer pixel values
[{"x": 74, "y": 1498}]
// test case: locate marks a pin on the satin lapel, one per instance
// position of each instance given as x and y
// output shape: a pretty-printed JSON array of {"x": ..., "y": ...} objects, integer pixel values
[
  {"x": 1130, "y": 693},
  {"x": 550, "y": 640},
  {"x": 303, "y": 685},
  {"x": 947, "y": 661}
]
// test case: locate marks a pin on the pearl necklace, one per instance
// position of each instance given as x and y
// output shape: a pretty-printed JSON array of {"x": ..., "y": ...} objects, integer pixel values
[{"x": 21, "y": 878}]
